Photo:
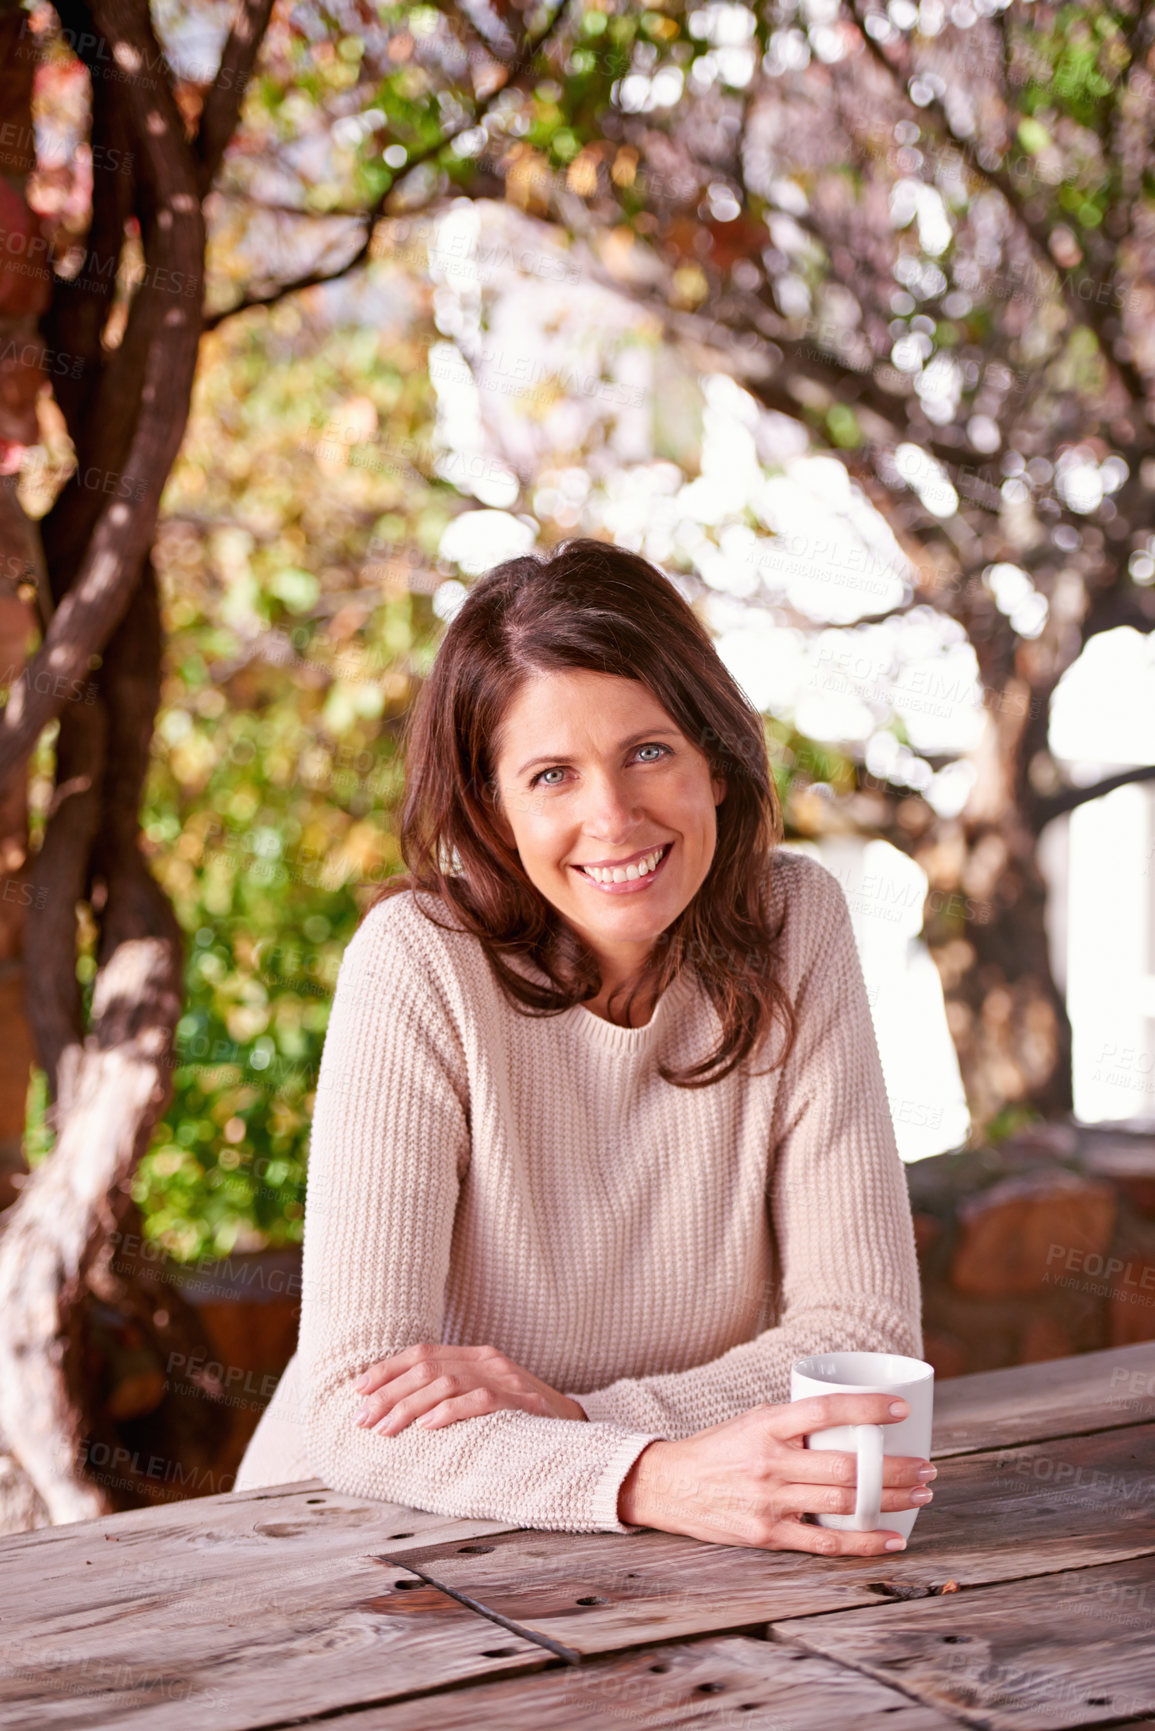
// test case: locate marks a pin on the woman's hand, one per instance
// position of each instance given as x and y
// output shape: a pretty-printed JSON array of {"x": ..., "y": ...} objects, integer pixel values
[
  {"x": 750, "y": 1480},
  {"x": 439, "y": 1384}
]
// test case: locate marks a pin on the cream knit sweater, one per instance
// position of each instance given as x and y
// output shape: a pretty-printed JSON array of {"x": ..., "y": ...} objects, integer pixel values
[{"x": 660, "y": 1255}]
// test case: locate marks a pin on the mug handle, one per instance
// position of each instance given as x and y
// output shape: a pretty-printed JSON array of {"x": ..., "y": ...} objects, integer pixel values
[{"x": 868, "y": 1499}]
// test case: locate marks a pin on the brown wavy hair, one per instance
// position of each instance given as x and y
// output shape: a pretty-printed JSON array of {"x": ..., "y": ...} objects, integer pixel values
[{"x": 594, "y": 606}]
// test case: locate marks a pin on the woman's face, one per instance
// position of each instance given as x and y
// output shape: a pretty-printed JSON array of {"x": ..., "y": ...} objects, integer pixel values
[{"x": 592, "y": 770}]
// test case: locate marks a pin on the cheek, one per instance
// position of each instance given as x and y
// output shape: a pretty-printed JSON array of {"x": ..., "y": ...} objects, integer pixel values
[
  {"x": 540, "y": 842},
  {"x": 692, "y": 795}
]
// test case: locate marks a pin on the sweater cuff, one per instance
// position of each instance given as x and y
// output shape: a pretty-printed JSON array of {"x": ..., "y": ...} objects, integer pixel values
[
  {"x": 600, "y": 1407},
  {"x": 605, "y": 1509}
]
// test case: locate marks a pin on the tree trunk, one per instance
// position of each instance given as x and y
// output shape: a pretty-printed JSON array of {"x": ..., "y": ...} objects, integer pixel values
[
  {"x": 985, "y": 928},
  {"x": 17, "y": 896},
  {"x": 109, "y": 1083},
  {"x": 22, "y": 297}
]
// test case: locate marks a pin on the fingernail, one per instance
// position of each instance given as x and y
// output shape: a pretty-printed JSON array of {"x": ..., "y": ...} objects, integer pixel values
[
  {"x": 928, "y": 1472},
  {"x": 364, "y": 1414},
  {"x": 895, "y": 1545},
  {"x": 921, "y": 1496},
  {"x": 899, "y": 1408}
]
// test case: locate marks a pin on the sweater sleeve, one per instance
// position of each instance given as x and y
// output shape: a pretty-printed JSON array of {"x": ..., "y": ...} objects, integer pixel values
[
  {"x": 389, "y": 1147},
  {"x": 839, "y": 1207}
]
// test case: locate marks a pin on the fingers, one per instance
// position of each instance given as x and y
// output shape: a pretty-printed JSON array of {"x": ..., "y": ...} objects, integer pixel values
[
  {"x": 469, "y": 1405},
  {"x": 387, "y": 1368},
  {"x": 817, "y": 1499},
  {"x": 799, "y": 1418},
  {"x": 389, "y": 1391},
  {"x": 790, "y": 1534},
  {"x": 835, "y": 1466},
  {"x": 418, "y": 1391}
]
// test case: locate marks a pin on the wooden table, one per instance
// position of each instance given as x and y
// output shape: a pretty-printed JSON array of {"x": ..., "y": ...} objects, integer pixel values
[{"x": 295, "y": 1605}]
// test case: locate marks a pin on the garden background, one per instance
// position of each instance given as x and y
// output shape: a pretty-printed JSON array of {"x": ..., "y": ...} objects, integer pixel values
[{"x": 840, "y": 313}]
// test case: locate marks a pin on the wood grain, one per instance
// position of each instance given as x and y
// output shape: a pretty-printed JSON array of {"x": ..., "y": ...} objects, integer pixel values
[
  {"x": 256, "y": 1609},
  {"x": 1075, "y": 1501},
  {"x": 1074, "y": 1649},
  {"x": 233, "y": 1615},
  {"x": 1026, "y": 1403},
  {"x": 702, "y": 1684},
  {"x": 232, "y": 1539}
]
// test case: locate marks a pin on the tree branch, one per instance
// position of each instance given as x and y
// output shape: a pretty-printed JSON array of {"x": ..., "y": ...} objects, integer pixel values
[
  {"x": 315, "y": 279},
  {"x": 1090, "y": 314},
  {"x": 1073, "y": 797},
  {"x": 112, "y": 561},
  {"x": 222, "y": 104}
]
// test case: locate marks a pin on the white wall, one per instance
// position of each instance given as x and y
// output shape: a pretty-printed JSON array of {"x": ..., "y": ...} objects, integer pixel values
[{"x": 885, "y": 892}]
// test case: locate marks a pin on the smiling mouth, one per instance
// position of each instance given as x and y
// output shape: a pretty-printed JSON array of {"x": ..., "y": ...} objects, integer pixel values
[{"x": 630, "y": 884}]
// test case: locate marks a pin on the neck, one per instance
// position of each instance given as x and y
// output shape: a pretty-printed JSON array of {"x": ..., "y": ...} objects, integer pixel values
[{"x": 641, "y": 1010}]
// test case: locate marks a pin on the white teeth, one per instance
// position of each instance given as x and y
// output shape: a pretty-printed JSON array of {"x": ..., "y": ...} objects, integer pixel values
[{"x": 626, "y": 874}]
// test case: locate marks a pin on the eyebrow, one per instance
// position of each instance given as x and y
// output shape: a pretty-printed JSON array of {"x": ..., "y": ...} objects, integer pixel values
[{"x": 559, "y": 757}]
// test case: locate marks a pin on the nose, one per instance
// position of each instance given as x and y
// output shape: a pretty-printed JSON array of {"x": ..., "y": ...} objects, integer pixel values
[{"x": 609, "y": 812}]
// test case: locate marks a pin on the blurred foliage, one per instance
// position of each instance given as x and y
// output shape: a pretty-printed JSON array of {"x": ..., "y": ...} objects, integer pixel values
[
  {"x": 293, "y": 648},
  {"x": 759, "y": 159}
]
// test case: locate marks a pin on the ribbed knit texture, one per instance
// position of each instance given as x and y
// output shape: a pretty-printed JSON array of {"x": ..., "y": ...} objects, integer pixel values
[{"x": 661, "y": 1255}]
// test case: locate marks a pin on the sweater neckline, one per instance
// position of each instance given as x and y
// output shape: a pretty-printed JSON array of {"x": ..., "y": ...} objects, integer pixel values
[{"x": 590, "y": 1026}]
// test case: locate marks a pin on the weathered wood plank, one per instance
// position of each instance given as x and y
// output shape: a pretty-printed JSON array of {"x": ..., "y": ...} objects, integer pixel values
[
  {"x": 236, "y": 1540},
  {"x": 702, "y": 1684},
  {"x": 229, "y": 1512},
  {"x": 298, "y": 1648},
  {"x": 1074, "y": 1501},
  {"x": 237, "y": 1614},
  {"x": 257, "y": 1599},
  {"x": 1062, "y": 1397},
  {"x": 278, "y": 1662},
  {"x": 1074, "y": 1649}
]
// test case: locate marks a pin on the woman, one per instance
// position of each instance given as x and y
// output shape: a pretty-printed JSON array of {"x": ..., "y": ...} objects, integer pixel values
[{"x": 562, "y": 1241}]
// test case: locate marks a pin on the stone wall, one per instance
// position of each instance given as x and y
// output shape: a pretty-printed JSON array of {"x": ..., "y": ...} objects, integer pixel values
[{"x": 1041, "y": 1248}]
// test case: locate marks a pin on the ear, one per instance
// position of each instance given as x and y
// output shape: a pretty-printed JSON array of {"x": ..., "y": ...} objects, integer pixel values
[{"x": 718, "y": 784}]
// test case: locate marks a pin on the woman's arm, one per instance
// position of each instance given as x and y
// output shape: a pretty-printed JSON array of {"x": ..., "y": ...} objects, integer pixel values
[
  {"x": 838, "y": 1201},
  {"x": 390, "y": 1144}
]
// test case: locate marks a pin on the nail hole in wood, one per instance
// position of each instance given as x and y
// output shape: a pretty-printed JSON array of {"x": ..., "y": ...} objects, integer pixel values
[
  {"x": 314, "y": 1499},
  {"x": 499, "y": 1653},
  {"x": 709, "y": 1688},
  {"x": 899, "y": 1589},
  {"x": 474, "y": 1550},
  {"x": 659, "y": 1667},
  {"x": 592, "y": 1599},
  {"x": 407, "y": 1586},
  {"x": 400, "y": 1535}
]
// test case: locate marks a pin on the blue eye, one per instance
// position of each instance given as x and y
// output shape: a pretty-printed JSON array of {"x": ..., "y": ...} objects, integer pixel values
[{"x": 651, "y": 745}]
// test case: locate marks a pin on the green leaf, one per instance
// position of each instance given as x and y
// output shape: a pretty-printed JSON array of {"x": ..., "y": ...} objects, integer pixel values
[
  {"x": 297, "y": 588},
  {"x": 844, "y": 427},
  {"x": 1033, "y": 136}
]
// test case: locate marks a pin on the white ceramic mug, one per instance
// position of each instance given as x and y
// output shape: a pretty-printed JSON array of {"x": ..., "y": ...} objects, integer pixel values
[{"x": 870, "y": 1373}]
